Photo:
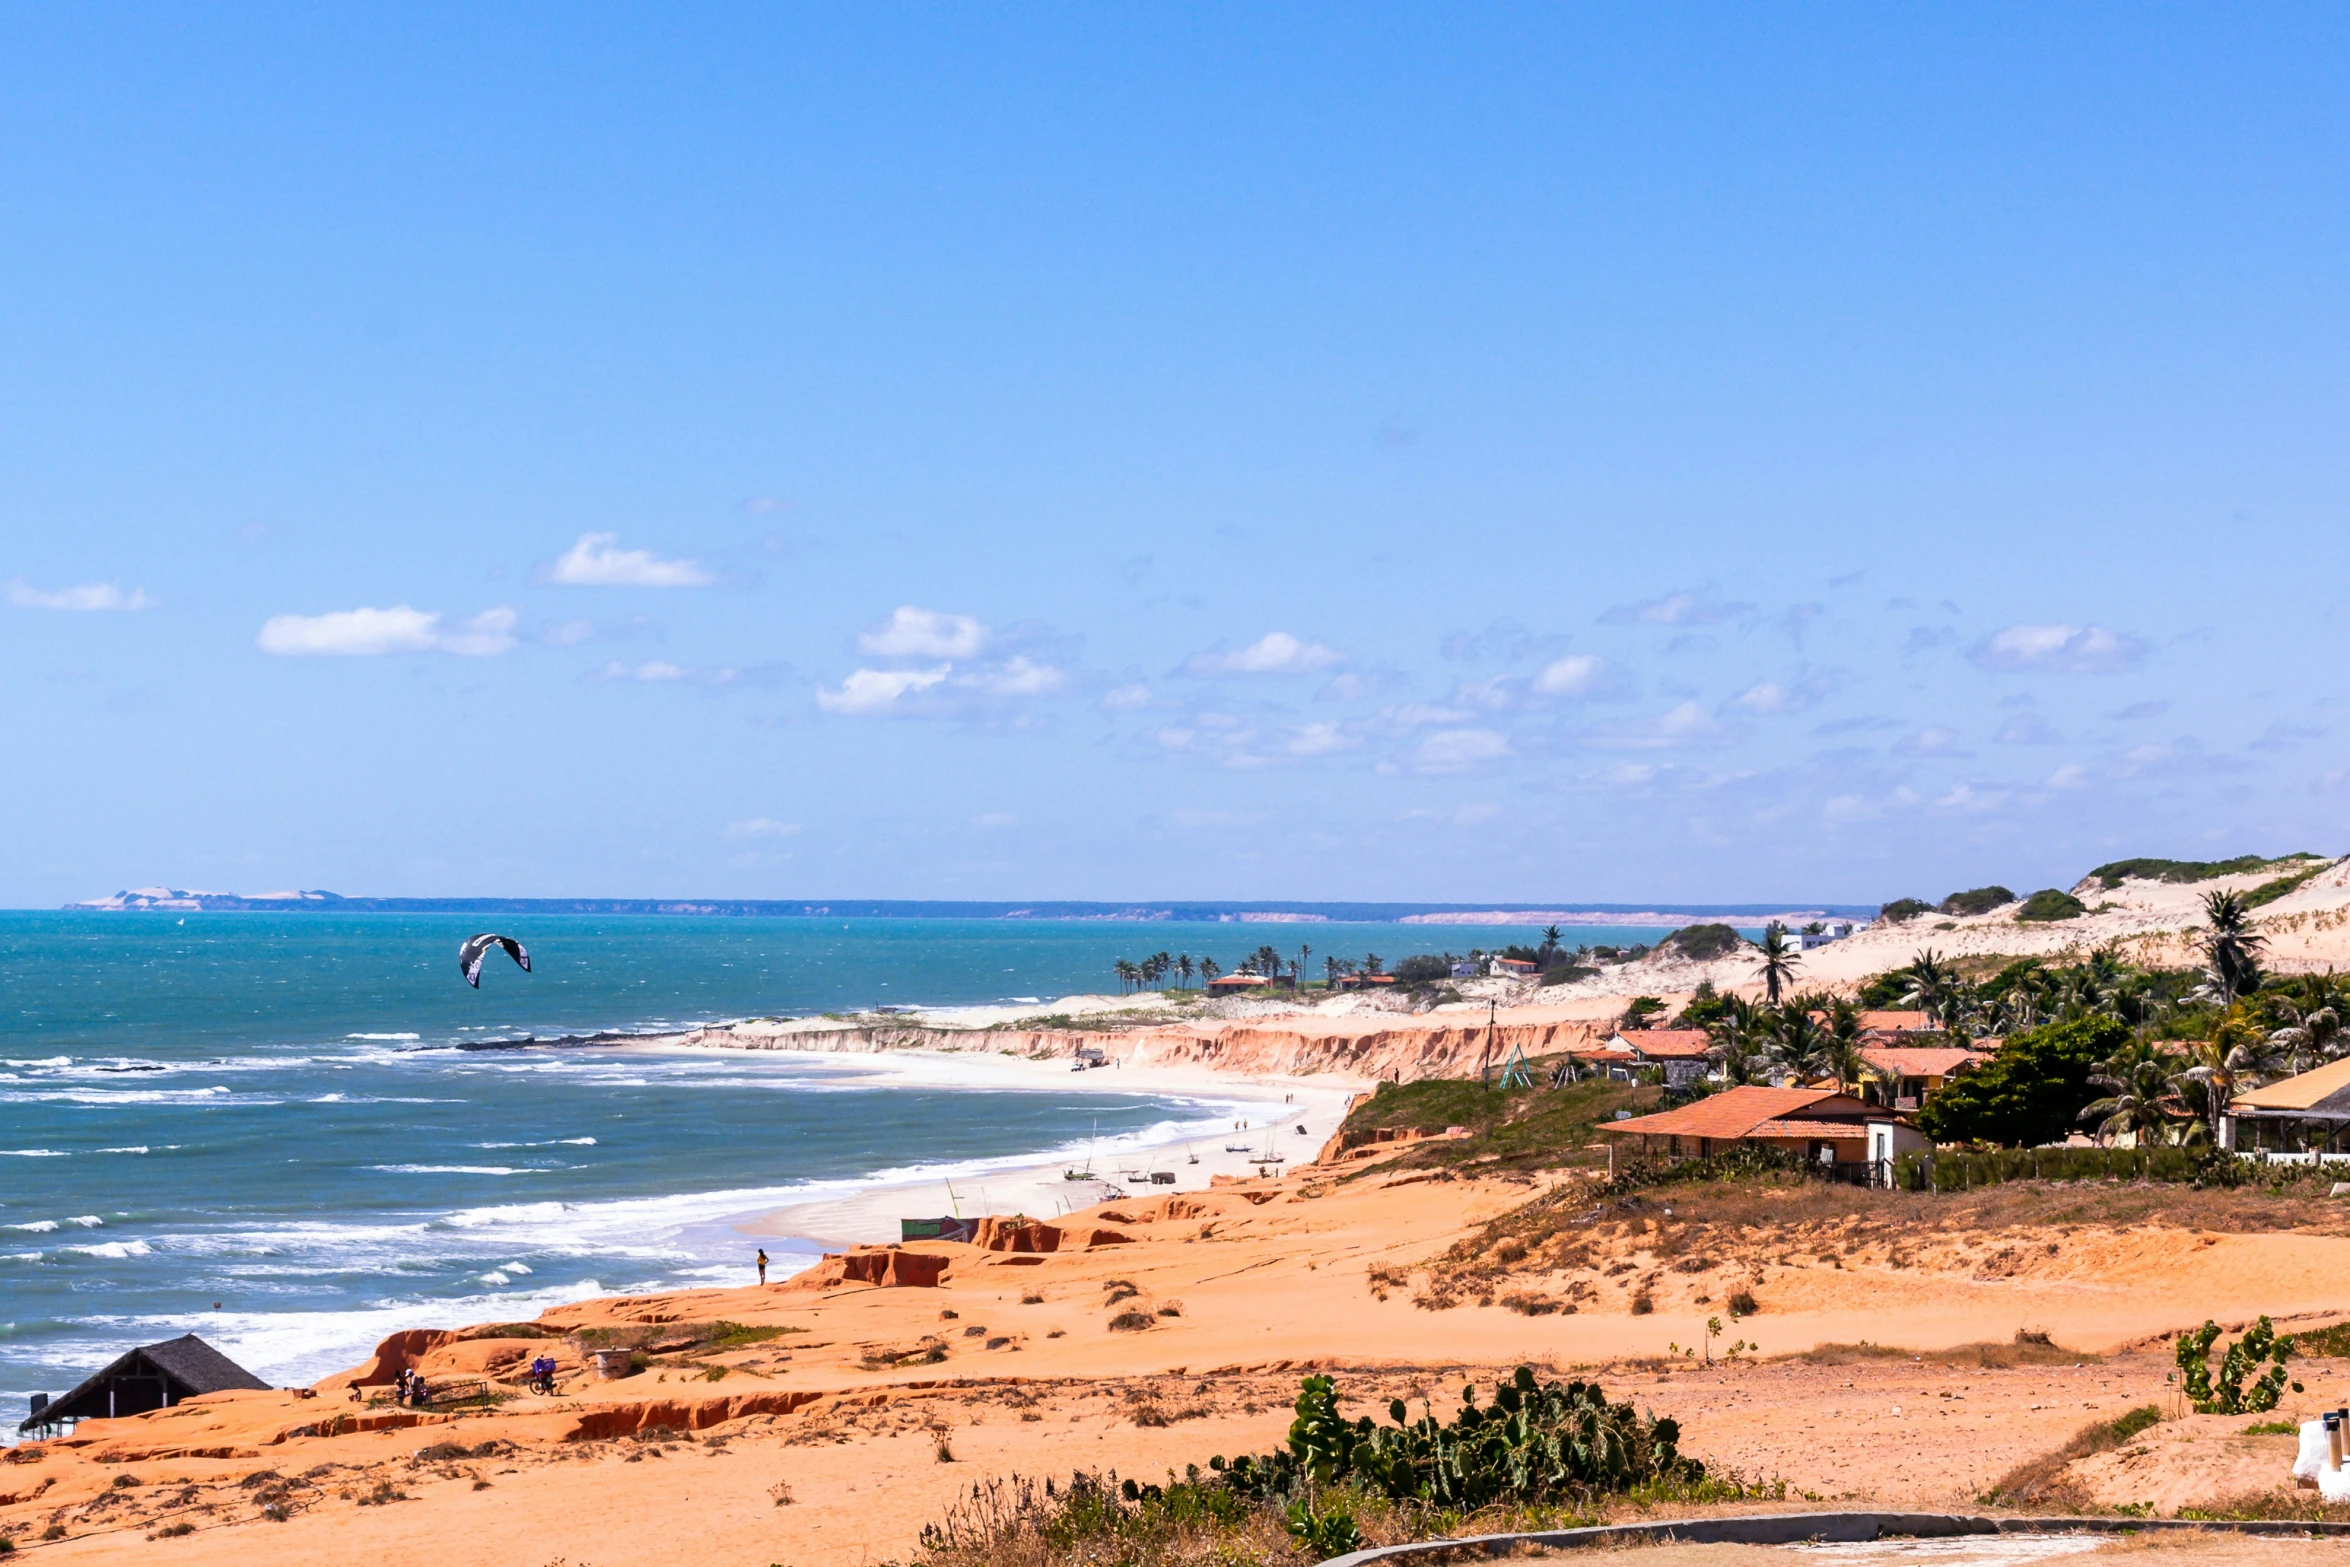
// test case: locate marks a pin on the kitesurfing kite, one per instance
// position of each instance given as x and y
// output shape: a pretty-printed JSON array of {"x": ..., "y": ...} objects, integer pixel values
[{"x": 478, "y": 947}]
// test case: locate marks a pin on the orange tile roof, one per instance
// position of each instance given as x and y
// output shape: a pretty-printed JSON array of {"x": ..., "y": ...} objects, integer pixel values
[
  {"x": 1840, "y": 1131},
  {"x": 1730, "y": 1114},
  {"x": 1896, "y": 1022},
  {"x": 1921, "y": 1060},
  {"x": 1661, "y": 1043}
]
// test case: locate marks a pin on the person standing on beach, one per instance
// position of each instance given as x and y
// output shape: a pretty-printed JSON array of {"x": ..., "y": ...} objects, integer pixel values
[{"x": 762, "y": 1264}]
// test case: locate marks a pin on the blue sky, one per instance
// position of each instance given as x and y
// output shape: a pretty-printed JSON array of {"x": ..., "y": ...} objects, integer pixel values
[{"x": 1611, "y": 453}]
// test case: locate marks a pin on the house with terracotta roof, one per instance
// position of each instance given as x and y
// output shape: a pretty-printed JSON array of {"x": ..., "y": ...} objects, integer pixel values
[
  {"x": 1919, "y": 1071},
  {"x": 1818, "y": 1125},
  {"x": 1895, "y": 1024},
  {"x": 2311, "y": 1109},
  {"x": 1235, "y": 984},
  {"x": 1682, "y": 1054},
  {"x": 1514, "y": 968}
]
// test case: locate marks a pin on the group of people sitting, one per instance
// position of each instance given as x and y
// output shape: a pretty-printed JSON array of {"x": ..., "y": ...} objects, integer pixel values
[{"x": 410, "y": 1388}]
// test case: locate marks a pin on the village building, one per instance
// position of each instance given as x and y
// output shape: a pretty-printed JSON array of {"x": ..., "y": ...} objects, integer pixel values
[
  {"x": 2308, "y": 1111},
  {"x": 154, "y": 1376},
  {"x": 1820, "y": 1126},
  {"x": 1919, "y": 1071},
  {"x": 1238, "y": 984},
  {"x": 1514, "y": 968},
  {"x": 1683, "y": 1054}
]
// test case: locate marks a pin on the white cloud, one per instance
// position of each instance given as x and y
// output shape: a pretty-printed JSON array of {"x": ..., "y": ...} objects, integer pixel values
[
  {"x": 83, "y": 596},
  {"x": 2026, "y": 729},
  {"x": 761, "y": 829},
  {"x": 1274, "y": 653},
  {"x": 568, "y": 633},
  {"x": 359, "y": 633},
  {"x": 2070, "y": 776},
  {"x": 1685, "y": 725},
  {"x": 1575, "y": 675},
  {"x": 1765, "y": 696},
  {"x": 1017, "y": 676},
  {"x": 2066, "y": 648},
  {"x": 1126, "y": 698},
  {"x": 489, "y": 633},
  {"x": 1933, "y": 740},
  {"x": 1676, "y": 609},
  {"x": 923, "y": 633},
  {"x": 1458, "y": 751},
  {"x": 1318, "y": 739},
  {"x": 1421, "y": 715},
  {"x": 597, "y": 561},
  {"x": 878, "y": 690},
  {"x": 351, "y": 632}
]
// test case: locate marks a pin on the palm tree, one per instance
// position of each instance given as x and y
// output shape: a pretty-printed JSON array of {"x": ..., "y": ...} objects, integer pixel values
[
  {"x": 1128, "y": 975},
  {"x": 2139, "y": 1099},
  {"x": 1303, "y": 952},
  {"x": 1549, "y": 948},
  {"x": 1331, "y": 968},
  {"x": 1183, "y": 969},
  {"x": 2207, "y": 1083},
  {"x": 2311, "y": 1037},
  {"x": 1371, "y": 963},
  {"x": 1779, "y": 960},
  {"x": 1802, "y": 1045},
  {"x": 1209, "y": 968},
  {"x": 1929, "y": 986},
  {"x": 2232, "y": 948}
]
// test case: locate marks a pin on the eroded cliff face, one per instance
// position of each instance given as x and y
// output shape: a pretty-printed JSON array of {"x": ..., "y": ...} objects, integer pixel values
[{"x": 1391, "y": 1047}]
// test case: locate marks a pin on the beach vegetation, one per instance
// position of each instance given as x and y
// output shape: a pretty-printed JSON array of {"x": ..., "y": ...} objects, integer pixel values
[
  {"x": 2114, "y": 873},
  {"x": 1509, "y": 1128},
  {"x": 2047, "y": 1481},
  {"x": 2048, "y": 906},
  {"x": 1902, "y": 910},
  {"x": 2032, "y": 1091},
  {"x": 1131, "y": 1321},
  {"x": 1702, "y": 943},
  {"x": 1976, "y": 900},
  {"x": 2222, "y": 1392}
]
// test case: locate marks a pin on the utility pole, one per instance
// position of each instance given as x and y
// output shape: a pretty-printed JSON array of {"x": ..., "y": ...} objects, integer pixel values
[{"x": 1485, "y": 1061}]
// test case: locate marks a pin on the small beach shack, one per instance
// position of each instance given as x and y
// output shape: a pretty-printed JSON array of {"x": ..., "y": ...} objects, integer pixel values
[
  {"x": 2308, "y": 1111},
  {"x": 1821, "y": 1126},
  {"x": 153, "y": 1376},
  {"x": 1682, "y": 1054},
  {"x": 1235, "y": 984}
]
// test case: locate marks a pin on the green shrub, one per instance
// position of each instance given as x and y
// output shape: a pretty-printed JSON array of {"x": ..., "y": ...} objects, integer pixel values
[
  {"x": 2048, "y": 905},
  {"x": 1536, "y": 1442},
  {"x": 1703, "y": 943},
  {"x": 2031, "y": 1092},
  {"x": 2223, "y": 1392},
  {"x": 2112, "y": 875},
  {"x": 1423, "y": 969},
  {"x": 1902, "y": 910},
  {"x": 1978, "y": 900}
]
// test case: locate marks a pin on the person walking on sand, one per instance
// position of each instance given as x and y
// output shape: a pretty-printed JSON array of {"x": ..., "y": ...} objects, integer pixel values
[{"x": 762, "y": 1264}]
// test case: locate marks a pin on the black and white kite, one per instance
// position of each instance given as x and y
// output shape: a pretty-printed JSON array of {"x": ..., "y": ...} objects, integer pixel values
[{"x": 478, "y": 947}]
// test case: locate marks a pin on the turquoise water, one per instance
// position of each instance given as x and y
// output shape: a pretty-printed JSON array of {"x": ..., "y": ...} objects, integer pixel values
[{"x": 311, "y": 1120}]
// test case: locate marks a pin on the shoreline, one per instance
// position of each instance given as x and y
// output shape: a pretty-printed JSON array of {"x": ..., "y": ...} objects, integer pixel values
[{"x": 1272, "y": 1110}]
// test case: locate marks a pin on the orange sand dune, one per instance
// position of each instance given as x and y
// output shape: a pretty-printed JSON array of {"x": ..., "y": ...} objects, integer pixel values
[{"x": 1010, "y": 1361}]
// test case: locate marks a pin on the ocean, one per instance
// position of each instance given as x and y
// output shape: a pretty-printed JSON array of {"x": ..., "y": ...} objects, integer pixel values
[{"x": 295, "y": 1133}]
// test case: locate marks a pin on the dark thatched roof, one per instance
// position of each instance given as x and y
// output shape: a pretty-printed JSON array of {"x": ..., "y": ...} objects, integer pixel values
[{"x": 187, "y": 1365}]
